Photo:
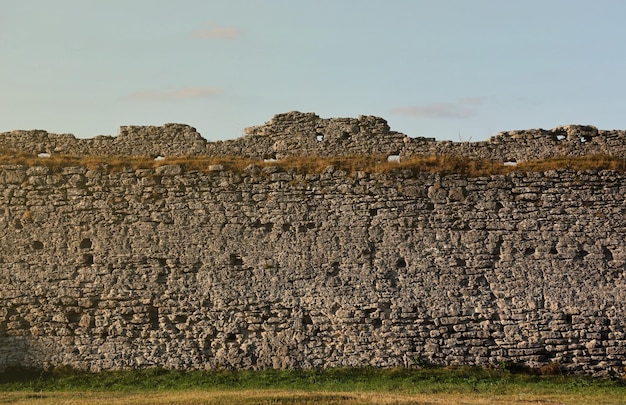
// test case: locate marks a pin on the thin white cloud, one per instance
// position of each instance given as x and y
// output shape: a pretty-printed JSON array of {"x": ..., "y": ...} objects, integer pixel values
[
  {"x": 461, "y": 109},
  {"x": 180, "y": 94},
  {"x": 217, "y": 32}
]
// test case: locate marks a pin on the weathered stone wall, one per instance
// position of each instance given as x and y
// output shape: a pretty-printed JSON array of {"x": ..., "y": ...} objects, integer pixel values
[
  {"x": 169, "y": 139},
  {"x": 296, "y": 134},
  {"x": 273, "y": 269}
]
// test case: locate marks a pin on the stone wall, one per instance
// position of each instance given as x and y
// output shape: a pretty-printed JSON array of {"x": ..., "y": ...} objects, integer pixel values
[
  {"x": 267, "y": 268},
  {"x": 169, "y": 139},
  {"x": 297, "y": 134}
]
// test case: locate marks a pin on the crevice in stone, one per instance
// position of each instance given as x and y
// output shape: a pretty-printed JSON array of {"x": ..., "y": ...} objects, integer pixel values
[
  {"x": 608, "y": 255},
  {"x": 235, "y": 260}
]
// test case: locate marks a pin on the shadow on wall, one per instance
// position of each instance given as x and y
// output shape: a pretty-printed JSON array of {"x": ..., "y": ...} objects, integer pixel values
[{"x": 13, "y": 349}]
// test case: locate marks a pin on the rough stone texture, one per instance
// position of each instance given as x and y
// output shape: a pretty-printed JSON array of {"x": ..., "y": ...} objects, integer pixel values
[
  {"x": 268, "y": 268},
  {"x": 297, "y": 134},
  {"x": 169, "y": 139}
]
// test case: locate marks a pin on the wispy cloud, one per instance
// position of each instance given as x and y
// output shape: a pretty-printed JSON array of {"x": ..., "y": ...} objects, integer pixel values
[
  {"x": 461, "y": 109},
  {"x": 217, "y": 32},
  {"x": 180, "y": 94}
]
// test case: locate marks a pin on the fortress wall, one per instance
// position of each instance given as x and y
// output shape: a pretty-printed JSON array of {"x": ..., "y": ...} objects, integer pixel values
[
  {"x": 273, "y": 269},
  {"x": 306, "y": 134},
  {"x": 169, "y": 139}
]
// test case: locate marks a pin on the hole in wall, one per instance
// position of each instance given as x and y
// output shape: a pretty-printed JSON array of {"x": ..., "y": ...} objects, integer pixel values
[
  {"x": 43, "y": 155},
  {"x": 373, "y": 212},
  {"x": 306, "y": 319},
  {"x": 159, "y": 158},
  {"x": 305, "y": 227},
  {"x": 162, "y": 261},
  {"x": 235, "y": 260},
  {"x": 319, "y": 137},
  {"x": 153, "y": 316},
  {"x": 401, "y": 263},
  {"x": 560, "y": 137},
  {"x": 258, "y": 225},
  {"x": 608, "y": 255},
  {"x": 88, "y": 259},
  {"x": 85, "y": 243},
  {"x": 37, "y": 245},
  {"x": 585, "y": 138},
  {"x": 377, "y": 323},
  {"x": 510, "y": 162},
  {"x": 369, "y": 311},
  {"x": 529, "y": 251},
  {"x": 345, "y": 136},
  {"x": 161, "y": 278},
  {"x": 73, "y": 317}
]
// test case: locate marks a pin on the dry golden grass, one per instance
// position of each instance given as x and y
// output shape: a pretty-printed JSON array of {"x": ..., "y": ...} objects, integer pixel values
[
  {"x": 279, "y": 397},
  {"x": 311, "y": 164}
]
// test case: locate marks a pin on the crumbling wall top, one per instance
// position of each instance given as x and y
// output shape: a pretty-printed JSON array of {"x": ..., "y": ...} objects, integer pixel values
[
  {"x": 296, "y": 123},
  {"x": 306, "y": 134}
]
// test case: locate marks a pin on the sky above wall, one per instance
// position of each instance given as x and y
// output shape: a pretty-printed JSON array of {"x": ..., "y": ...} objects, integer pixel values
[{"x": 449, "y": 69}]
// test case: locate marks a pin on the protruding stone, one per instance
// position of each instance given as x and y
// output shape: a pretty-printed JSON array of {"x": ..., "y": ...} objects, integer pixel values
[{"x": 169, "y": 170}]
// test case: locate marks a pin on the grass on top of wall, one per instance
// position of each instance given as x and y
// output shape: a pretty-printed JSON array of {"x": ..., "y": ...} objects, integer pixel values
[{"x": 310, "y": 164}]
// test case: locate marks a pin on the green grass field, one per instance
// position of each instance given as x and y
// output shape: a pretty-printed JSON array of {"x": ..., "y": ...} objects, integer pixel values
[{"x": 331, "y": 386}]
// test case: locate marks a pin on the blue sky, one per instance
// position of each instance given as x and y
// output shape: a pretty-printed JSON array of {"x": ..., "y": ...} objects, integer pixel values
[{"x": 450, "y": 69}]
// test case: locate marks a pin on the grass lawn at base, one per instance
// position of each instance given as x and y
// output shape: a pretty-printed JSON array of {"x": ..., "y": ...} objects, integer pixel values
[
  {"x": 330, "y": 386},
  {"x": 298, "y": 397}
]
